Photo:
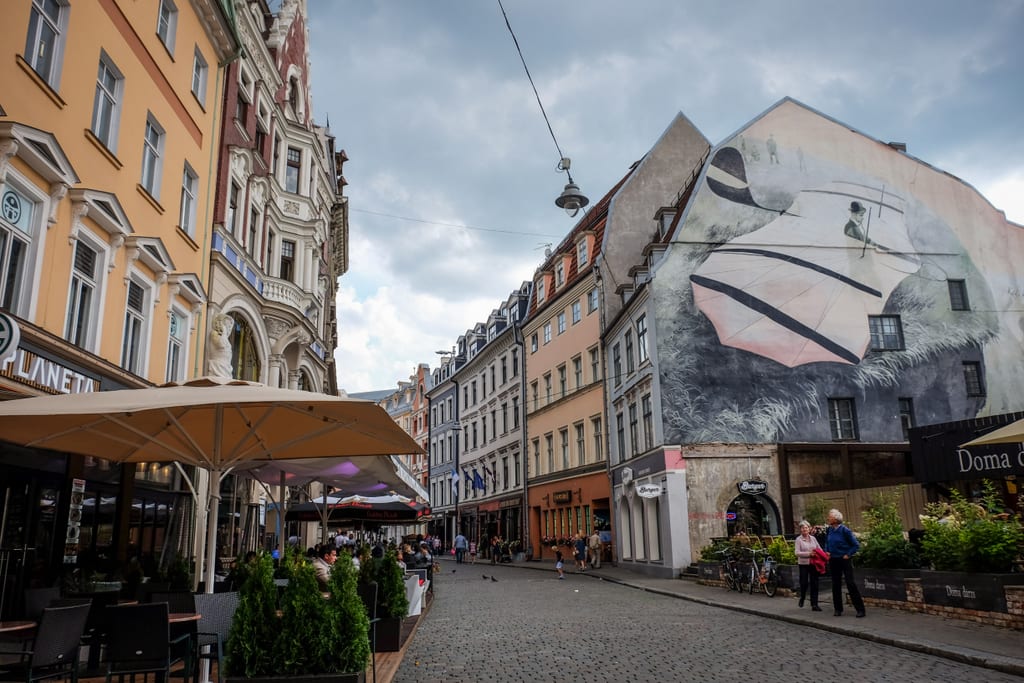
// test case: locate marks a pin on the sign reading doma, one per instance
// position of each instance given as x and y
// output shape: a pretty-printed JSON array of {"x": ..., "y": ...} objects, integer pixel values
[
  {"x": 648, "y": 490},
  {"x": 989, "y": 462}
]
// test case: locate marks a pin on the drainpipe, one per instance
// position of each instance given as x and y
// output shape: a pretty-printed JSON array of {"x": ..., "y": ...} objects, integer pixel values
[
  {"x": 599, "y": 281},
  {"x": 524, "y": 515}
]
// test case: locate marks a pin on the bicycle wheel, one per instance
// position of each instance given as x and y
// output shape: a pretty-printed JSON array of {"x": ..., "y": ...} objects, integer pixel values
[
  {"x": 753, "y": 578},
  {"x": 771, "y": 583},
  {"x": 730, "y": 579}
]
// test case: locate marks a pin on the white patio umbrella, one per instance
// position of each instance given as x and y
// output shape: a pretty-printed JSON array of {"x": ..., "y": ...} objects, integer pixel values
[
  {"x": 212, "y": 423},
  {"x": 1011, "y": 433}
]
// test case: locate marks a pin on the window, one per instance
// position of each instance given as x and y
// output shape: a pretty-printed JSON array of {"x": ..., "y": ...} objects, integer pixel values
[
  {"x": 533, "y": 343},
  {"x": 44, "y": 45},
  {"x": 515, "y": 468},
  {"x": 271, "y": 237},
  {"x": 620, "y": 434},
  {"x": 634, "y": 433},
  {"x": 294, "y": 166},
  {"x": 189, "y": 188},
  {"x": 595, "y": 425},
  {"x": 84, "y": 295},
  {"x": 547, "y": 333},
  {"x": 630, "y": 363},
  {"x": 504, "y": 418},
  {"x": 645, "y": 406},
  {"x": 581, "y": 253},
  {"x": 560, "y": 275},
  {"x": 16, "y": 231},
  {"x": 972, "y": 378},
  {"x": 152, "y": 151},
  {"x": 199, "y": 73},
  {"x": 504, "y": 473},
  {"x": 515, "y": 412},
  {"x": 287, "y": 259},
  {"x": 842, "y": 419},
  {"x": 581, "y": 451},
  {"x": 535, "y": 393},
  {"x": 242, "y": 108},
  {"x": 504, "y": 370},
  {"x": 595, "y": 365},
  {"x": 561, "y": 323},
  {"x": 176, "y": 347},
  {"x": 886, "y": 332},
  {"x": 577, "y": 371},
  {"x": 547, "y": 388},
  {"x": 641, "y": 337},
  {"x": 106, "y": 108},
  {"x": 617, "y": 364},
  {"x": 536, "y": 456},
  {"x": 515, "y": 361},
  {"x": 254, "y": 226},
  {"x": 540, "y": 290},
  {"x": 958, "y": 295},
  {"x": 549, "y": 441},
  {"x": 563, "y": 382},
  {"x": 576, "y": 312},
  {"x": 167, "y": 24},
  {"x": 132, "y": 343},
  {"x": 564, "y": 435},
  {"x": 231, "y": 215},
  {"x": 592, "y": 301},
  {"x": 906, "y": 407}
]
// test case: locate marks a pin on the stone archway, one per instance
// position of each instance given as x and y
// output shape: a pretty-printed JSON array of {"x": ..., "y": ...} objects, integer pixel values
[{"x": 754, "y": 515}]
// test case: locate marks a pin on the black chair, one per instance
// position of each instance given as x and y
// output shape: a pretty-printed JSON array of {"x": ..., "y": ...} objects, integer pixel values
[
  {"x": 216, "y": 611},
  {"x": 37, "y": 599},
  {"x": 96, "y": 625},
  {"x": 368, "y": 594},
  {"x": 55, "y": 651},
  {"x": 139, "y": 642}
]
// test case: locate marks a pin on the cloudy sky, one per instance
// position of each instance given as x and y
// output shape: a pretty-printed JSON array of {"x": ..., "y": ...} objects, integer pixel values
[{"x": 452, "y": 172}]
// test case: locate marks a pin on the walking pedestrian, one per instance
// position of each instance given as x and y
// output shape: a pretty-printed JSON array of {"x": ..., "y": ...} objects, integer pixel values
[
  {"x": 461, "y": 544},
  {"x": 804, "y": 547},
  {"x": 842, "y": 546},
  {"x": 595, "y": 550},
  {"x": 580, "y": 547},
  {"x": 558, "y": 561}
]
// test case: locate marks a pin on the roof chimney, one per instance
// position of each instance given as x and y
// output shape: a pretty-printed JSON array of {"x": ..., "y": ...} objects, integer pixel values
[{"x": 898, "y": 146}]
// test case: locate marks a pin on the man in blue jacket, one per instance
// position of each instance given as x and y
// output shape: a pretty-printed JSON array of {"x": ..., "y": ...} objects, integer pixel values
[{"x": 842, "y": 545}]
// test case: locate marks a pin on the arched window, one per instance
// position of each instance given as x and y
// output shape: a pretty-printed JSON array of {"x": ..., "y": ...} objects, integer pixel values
[
  {"x": 753, "y": 516},
  {"x": 245, "y": 359}
]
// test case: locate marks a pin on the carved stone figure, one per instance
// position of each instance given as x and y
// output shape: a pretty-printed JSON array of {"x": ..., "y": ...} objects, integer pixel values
[{"x": 218, "y": 347}]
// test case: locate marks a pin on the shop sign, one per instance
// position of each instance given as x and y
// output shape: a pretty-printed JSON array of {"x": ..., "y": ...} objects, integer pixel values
[
  {"x": 753, "y": 487},
  {"x": 648, "y": 490},
  {"x": 562, "y": 497},
  {"x": 29, "y": 368}
]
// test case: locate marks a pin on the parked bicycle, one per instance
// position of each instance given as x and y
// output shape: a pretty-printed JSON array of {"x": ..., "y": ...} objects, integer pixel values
[
  {"x": 730, "y": 569},
  {"x": 763, "y": 575}
]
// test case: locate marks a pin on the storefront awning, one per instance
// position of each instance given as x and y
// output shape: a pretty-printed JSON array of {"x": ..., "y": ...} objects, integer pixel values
[{"x": 937, "y": 454}]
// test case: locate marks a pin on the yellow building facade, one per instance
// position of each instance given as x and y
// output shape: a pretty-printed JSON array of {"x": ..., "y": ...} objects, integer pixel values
[{"x": 109, "y": 127}]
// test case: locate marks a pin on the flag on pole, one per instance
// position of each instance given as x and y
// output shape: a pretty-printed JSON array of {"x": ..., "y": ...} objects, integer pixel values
[
  {"x": 478, "y": 481},
  {"x": 455, "y": 486},
  {"x": 488, "y": 472}
]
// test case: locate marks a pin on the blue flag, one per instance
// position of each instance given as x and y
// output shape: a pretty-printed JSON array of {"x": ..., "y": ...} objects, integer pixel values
[
  {"x": 455, "y": 487},
  {"x": 469, "y": 479},
  {"x": 478, "y": 482}
]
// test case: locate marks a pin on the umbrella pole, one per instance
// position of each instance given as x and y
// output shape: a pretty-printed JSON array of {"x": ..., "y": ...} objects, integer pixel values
[
  {"x": 280, "y": 515},
  {"x": 211, "y": 528}
]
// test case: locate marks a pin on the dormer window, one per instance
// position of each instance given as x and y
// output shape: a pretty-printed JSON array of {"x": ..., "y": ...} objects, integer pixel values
[
  {"x": 664, "y": 217},
  {"x": 559, "y": 275},
  {"x": 540, "y": 289},
  {"x": 582, "y": 254}
]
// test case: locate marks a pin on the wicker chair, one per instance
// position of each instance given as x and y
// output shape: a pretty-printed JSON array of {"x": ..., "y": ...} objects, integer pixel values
[
  {"x": 37, "y": 599},
  {"x": 56, "y": 648},
  {"x": 140, "y": 643},
  {"x": 216, "y": 611}
]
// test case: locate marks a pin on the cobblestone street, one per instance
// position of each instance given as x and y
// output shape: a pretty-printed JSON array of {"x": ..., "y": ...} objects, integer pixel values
[{"x": 529, "y": 626}]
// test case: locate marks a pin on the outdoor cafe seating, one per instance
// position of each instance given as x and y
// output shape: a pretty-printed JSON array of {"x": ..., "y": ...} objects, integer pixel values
[{"x": 55, "y": 647}]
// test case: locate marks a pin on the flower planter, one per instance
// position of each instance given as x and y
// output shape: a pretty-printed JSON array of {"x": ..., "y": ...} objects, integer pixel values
[
  {"x": 968, "y": 591},
  {"x": 884, "y": 584},
  {"x": 386, "y": 635},
  {"x": 709, "y": 572},
  {"x": 306, "y": 678},
  {"x": 789, "y": 576}
]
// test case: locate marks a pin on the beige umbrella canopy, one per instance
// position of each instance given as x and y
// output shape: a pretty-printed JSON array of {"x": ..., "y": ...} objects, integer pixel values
[
  {"x": 212, "y": 423},
  {"x": 1011, "y": 433}
]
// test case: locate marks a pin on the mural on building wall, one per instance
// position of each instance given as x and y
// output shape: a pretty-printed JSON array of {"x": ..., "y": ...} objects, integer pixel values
[{"x": 805, "y": 252}]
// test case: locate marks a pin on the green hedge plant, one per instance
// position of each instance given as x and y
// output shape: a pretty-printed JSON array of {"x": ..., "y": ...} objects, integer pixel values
[
  {"x": 348, "y": 612},
  {"x": 250, "y": 646},
  {"x": 971, "y": 537},
  {"x": 883, "y": 544}
]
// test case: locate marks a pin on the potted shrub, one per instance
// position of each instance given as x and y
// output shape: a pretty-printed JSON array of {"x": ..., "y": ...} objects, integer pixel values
[
  {"x": 709, "y": 565},
  {"x": 392, "y": 604},
  {"x": 971, "y": 548},
  {"x": 784, "y": 555},
  {"x": 311, "y": 638},
  {"x": 886, "y": 558}
]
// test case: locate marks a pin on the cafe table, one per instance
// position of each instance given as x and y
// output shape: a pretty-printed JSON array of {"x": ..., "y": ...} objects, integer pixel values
[{"x": 15, "y": 626}]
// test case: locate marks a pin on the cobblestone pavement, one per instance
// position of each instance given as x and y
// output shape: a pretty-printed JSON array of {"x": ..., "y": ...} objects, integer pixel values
[{"x": 530, "y": 626}]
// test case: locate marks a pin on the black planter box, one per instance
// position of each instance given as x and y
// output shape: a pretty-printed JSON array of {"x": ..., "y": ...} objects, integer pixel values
[
  {"x": 386, "y": 635},
  {"x": 884, "y": 584},
  {"x": 308, "y": 678},
  {"x": 709, "y": 571},
  {"x": 969, "y": 591}
]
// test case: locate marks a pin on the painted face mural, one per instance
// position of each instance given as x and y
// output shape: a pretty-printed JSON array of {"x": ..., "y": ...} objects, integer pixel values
[
  {"x": 797, "y": 276},
  {"x": 800, "y": 289}
]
